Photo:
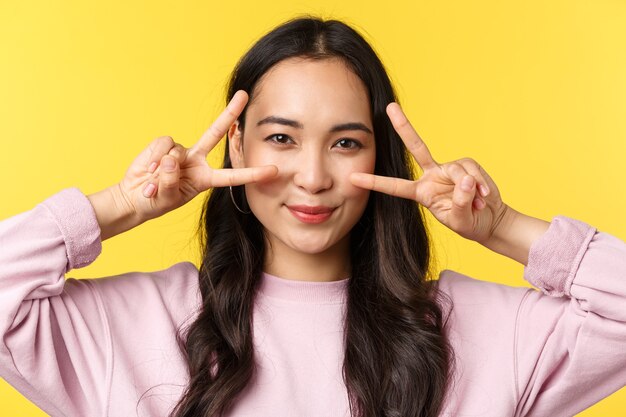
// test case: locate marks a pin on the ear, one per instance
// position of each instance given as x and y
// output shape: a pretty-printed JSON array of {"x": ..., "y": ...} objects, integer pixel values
[{"x": 235, "y": 146}]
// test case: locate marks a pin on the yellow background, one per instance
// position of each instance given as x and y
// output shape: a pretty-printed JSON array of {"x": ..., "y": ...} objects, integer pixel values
[{"x": 534, "y": 90}]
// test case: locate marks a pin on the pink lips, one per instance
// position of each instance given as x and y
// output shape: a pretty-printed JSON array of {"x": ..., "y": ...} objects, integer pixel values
[{"x": 311, "y": 214}]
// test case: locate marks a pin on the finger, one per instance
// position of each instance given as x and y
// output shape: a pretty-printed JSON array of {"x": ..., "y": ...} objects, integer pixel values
[
  {"x": 457, "y": 171},
  {"x": 479, "y": 203},
  {"x": 169, "y": 177},
  {"x": 454, "y": 171},
  {"x": 411, "y": 139},
  {"x": 462, "y": 200},
  {"x": 220, "y": 126},
  {"x": 238, "y": 176},
  {"x": 493, "y": 188},
  {"x": 479, "y": 174},
  {"x": 179, "y": 152},
  {"x": 158, "y": 147},
  {"x": 393, "y": 186}
]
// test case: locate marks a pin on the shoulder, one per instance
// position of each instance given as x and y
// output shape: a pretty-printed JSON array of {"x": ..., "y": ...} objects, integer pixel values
[
  {"x": 175, "y": 280},
  {"x": 478, "y": 304},
  {"x": 460, "y": 286},
  {"x": 173, "y": 290}
]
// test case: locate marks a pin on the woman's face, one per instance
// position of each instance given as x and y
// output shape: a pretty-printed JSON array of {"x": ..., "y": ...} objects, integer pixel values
[{"x": 312, "y": 120}]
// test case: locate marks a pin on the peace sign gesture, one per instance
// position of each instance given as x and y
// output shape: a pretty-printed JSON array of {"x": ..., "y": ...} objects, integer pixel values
[
  {"x": 448, "y": 190},
  {"x": 166, "y": 175}
]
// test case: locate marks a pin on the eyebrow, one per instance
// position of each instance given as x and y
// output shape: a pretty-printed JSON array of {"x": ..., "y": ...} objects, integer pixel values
[{"x": 294, "y": 123}]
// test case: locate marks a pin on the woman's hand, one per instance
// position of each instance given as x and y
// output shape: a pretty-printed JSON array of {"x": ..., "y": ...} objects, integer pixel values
[
  {"x": 166, "y": 175},
  {"x": 460, "y": 194}
]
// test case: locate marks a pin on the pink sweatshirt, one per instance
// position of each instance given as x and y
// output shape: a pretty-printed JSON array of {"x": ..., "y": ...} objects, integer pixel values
[{"x": 106, "y": 347}]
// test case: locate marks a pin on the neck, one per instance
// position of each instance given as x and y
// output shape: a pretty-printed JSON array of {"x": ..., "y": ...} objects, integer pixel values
[{"x": 330, "y": 265}]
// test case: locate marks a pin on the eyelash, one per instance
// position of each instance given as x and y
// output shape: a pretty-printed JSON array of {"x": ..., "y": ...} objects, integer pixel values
[
  {"x": 271, "y": 138},
  {"x": 354, "y": 143}
]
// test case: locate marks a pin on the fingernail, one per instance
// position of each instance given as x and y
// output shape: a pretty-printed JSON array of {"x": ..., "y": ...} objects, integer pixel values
[
  {"x": 152, "y": 167},
  {"x": 466, "y": 183},
  {"x": 147, "y": 192},
  {"x": 484, "y": 190},
  {"x": 169, "y": 164}
]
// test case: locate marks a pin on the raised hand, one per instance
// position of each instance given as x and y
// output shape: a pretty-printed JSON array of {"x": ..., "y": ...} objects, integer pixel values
[
  {"x": 166, "y": 175},
  {"x": 460, "y": 194}
]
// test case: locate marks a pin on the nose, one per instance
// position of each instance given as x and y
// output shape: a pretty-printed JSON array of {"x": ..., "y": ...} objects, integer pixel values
[{"x": 312, "y": 173}]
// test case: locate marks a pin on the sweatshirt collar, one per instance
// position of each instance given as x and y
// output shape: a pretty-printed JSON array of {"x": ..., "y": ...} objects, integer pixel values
[{"x": 303, "y": 291}]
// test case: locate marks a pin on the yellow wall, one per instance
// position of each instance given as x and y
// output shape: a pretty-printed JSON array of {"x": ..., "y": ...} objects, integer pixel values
[{"x": 534, "y": 90}]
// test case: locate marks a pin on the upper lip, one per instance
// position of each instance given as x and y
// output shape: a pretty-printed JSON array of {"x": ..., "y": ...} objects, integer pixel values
[{"x": 311, "y": 209}]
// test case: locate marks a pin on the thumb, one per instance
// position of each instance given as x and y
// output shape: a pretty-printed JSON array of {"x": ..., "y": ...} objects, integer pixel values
[
  {"x": 462, "y": 198},
  {"x": 169, "y": 179}
]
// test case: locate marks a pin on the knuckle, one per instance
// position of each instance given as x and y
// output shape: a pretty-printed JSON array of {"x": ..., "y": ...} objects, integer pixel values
[
  {"x": 231, "y": 114},
  {"x": 473, "y": 164},
  {"x": 165, "y": 141},
  {"x": 375, "y": 183},
  {"x": 161, "y": 145},
  {"x": 424, "y": 192},
  {"x": 394, "y": 188},
  {"x": 404, "y": 122},
  {"x": 177, "y": 151},
  {"x": 215, "y": 131},
  {"x": 455, "y": 167},
  {"x": 232, "y": 177},
  {"x": 255, "y": 174},
  {"x": 417, "y": 143},
  {"x": 168, "y": 182}
]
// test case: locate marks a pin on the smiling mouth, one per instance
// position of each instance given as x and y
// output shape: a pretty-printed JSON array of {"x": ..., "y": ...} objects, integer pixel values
[{"x": 311, "y": 214}]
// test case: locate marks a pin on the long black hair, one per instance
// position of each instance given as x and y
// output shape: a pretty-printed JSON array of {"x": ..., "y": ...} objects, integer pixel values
[{"x": 397, "y": 359}]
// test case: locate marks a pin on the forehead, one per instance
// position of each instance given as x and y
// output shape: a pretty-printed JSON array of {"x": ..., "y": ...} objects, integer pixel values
[{"x": 307, "y": 89}]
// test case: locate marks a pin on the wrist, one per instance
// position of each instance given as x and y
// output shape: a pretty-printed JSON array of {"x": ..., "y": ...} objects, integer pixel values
[
  {"x": 514, "y": 234},
  {"x": 114, "y": 213}
]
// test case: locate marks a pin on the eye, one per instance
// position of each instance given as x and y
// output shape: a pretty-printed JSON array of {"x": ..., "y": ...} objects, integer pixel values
[
  {"x": 280, "y": 139},
  {"x": 348, "y": 144}
]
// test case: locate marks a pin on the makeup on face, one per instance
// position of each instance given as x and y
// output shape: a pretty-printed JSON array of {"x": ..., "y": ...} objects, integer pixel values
[{"x": 312, "y": 120}]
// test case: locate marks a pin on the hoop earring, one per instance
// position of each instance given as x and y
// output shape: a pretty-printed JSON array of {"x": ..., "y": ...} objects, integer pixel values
[{"x": 235, "y": 204}]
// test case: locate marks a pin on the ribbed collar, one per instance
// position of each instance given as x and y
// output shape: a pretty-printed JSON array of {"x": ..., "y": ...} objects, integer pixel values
[{"x": 303, "y": 291}]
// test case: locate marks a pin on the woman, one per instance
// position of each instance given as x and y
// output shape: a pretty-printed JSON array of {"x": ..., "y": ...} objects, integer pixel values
[{"x": 314, "y": 295}]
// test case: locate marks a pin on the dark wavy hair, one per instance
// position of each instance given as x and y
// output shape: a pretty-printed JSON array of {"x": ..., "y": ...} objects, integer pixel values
[{"x": 397, "y": 359}]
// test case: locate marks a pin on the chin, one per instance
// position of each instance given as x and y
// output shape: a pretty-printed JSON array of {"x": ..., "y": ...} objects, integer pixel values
[
  {"x": 311, "y": 245},
  {"x": 310, "y": 248}
]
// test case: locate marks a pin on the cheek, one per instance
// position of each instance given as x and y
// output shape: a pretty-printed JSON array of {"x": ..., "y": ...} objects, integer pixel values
[
  {"x": 366, "y": 165},
  {"x": 273, "y": 187},
  {"x": 253, "y": 158},
  {"x": 340, "y": 168}
]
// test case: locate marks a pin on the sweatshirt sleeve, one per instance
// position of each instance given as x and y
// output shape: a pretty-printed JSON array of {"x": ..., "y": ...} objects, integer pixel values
[
  {"x": 55, "y": 345},
  {"x": 569, "y": 355}
]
